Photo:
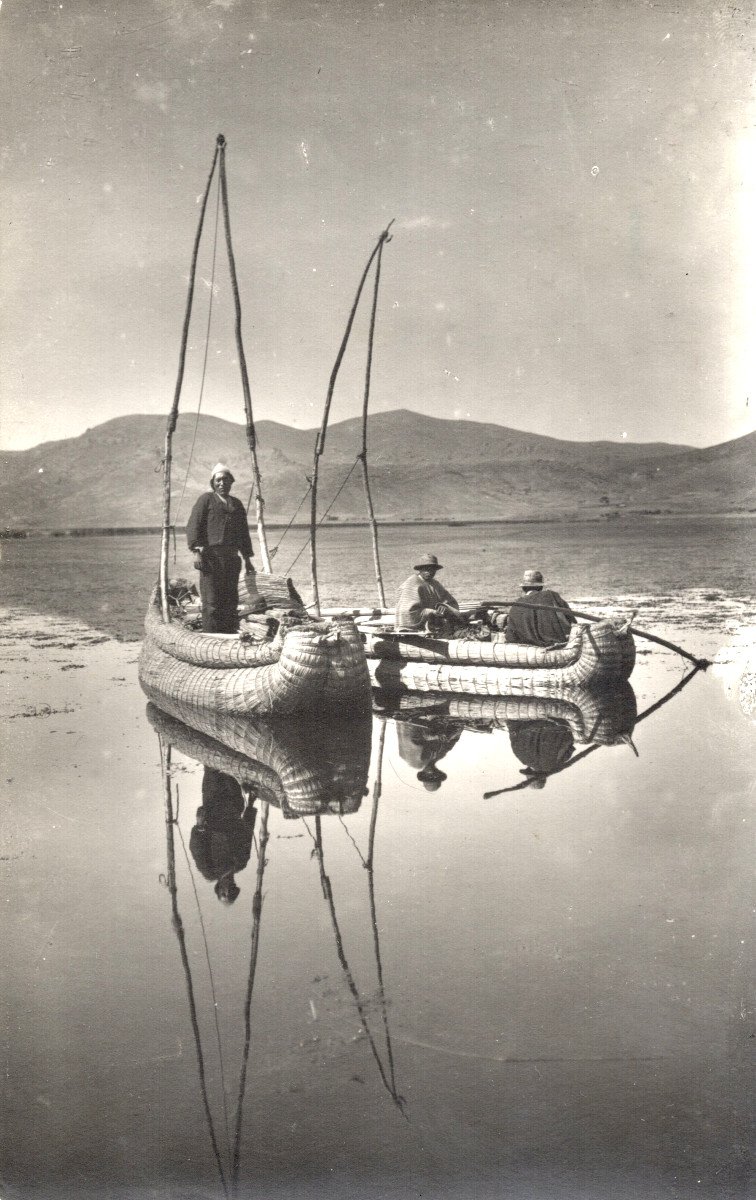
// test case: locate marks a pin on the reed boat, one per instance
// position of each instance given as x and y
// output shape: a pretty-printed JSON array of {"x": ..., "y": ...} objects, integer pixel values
[
  {"x": 300, "y": 663},
  {"x": 596, "y": 655},
  {"x": 306, "y": 666},
  {"x": 304, "y": 769}
]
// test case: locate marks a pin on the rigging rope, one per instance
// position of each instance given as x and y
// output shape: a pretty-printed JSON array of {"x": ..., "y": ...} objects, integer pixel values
[
  {"x": 325, "y": 514},
  {"x": 204, "y": 361},
  {"x": 294, "y": 517}
]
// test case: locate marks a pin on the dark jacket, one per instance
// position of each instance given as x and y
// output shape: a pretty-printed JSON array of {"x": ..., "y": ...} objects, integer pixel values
[
  {"x": 544, "y": 746},
  {"x": 223, "y": 841},
  {"x": 535, "y": 621},
  {"x": 213, "y": 523}
]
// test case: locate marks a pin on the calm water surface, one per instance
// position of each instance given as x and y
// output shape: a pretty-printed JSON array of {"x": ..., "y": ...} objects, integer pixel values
[
  {"x": 421, "y": 989},
  {"x": 105, "y": 581}
]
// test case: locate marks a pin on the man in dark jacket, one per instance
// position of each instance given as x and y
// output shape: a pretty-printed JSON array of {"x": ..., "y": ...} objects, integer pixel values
[
  {"x": 542, "y": 619},
  {"x": 218, "y": 533}
]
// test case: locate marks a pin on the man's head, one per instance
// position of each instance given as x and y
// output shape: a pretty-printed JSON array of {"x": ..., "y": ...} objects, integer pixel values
[
  {"x": 226, "y": 889},
  {"x": 431, "y": 778},
  {"x": 427, "y": 565},
  {"x": 221, "y": 479},
  {"x": 532, "y": 581}
]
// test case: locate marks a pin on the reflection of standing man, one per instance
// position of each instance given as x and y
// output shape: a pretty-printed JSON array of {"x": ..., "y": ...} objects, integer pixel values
[
  {"x": 218, "y": 533},
  {"x": 544, "y": 746},
  {"x": 423, "y": 746},
  {"x": 221, "y": 840}
]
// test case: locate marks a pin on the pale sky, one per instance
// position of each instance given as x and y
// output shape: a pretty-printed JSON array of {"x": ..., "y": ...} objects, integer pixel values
[{"x": 574, "y": 187}]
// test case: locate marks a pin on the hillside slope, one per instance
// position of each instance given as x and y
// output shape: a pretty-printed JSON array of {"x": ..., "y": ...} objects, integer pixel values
[{"x": 420, "y": 468}]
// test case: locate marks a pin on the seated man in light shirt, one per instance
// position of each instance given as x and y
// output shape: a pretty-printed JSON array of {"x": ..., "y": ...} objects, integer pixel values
[{"x": 422, "y": 598}]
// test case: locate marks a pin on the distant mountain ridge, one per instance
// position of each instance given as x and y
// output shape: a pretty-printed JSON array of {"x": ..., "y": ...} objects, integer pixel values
[{"x": 421, "y": 468}]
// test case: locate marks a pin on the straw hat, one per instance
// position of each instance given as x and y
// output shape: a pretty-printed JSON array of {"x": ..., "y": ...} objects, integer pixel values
[
  {"x": 428, "y": 560},
  {"x": 532, "y": 579}
]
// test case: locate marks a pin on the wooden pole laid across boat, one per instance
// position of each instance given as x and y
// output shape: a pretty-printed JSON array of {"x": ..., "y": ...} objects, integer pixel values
[
  {"x": 320, "y": 439},
  {"x": 251, "y": 438},
  {"x": 702, "y": 663},
  {"x": 173, "y": 415}
]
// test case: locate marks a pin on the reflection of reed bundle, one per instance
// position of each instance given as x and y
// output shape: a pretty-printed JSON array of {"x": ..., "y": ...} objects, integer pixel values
[
  {"x": 600, "y": 716},
  {"x": 321, "y": 767}
]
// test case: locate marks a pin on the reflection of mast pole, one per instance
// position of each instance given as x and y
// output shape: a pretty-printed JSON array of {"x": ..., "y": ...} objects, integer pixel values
[
  {"x": 257, "y": 900},
  {"x": 325, "y": 883},
  {"x": 373, "y": 915},
  {"x": 583, "y": 753},
  {"x": 165, "y": 751}
]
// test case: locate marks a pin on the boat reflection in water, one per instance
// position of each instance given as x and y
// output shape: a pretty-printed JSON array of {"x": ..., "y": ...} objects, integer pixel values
[
  {"x": 543, "y": 730},
  {"x": 317, "y": 773},
  {"x": 302, "y": 767},
  {"x": 311, "y": 769}
]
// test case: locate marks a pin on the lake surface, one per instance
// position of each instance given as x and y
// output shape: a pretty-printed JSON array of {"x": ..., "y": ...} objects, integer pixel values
[
  {"x": 105, "y": 581},
  {"x": 421, "y": 989}
]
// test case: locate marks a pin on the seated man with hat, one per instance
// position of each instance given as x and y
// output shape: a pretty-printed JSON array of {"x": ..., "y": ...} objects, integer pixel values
[
  {"x": 541, "y": 618},
  {"x": 422, "y": 598}
]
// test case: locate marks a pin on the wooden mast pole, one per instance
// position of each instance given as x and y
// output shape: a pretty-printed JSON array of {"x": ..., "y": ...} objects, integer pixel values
[
  {"x": 363, "y": 453},
  {"x": 173, "y": 415},
  {"x": 178, "y": 928},
  {"x": 320, "y": 439},
  {"x": 251, "y": 437}
]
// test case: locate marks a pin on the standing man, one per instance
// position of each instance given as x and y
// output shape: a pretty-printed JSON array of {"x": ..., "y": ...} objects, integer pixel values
[
  {"x": 543, "y": 618},
  {"x": 422, "y": 597},
  {"x": 217, "y": 533}
]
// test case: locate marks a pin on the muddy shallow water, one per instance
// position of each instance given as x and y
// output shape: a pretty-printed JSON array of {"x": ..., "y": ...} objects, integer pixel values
[{"x": 420, "y": 990}]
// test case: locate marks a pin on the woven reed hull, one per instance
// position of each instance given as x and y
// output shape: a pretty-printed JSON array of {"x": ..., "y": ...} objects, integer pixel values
[
  {"x": 597, "y": 716},
  {"x": 324, "y": 770},
  {"x": 595, "y": 656},
  {"x": 314, "y": 671},
  {"x": 602, "y": 639},
  {"x": 205, "y": 649}
]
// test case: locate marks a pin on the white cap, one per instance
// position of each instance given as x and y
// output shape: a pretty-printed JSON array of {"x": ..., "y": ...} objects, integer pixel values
[{"x": 221, "y": 469}]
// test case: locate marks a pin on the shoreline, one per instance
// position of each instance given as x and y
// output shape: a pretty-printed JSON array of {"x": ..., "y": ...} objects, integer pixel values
[
  {"x": 52, "y": 664},
  {"x": 610, "y": 518}
]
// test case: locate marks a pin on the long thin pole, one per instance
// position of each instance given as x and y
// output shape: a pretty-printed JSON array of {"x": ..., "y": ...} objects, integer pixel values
[
  {"x": 173, "y": 415},
  {"x": 377, "y": 788},
  {"x": 363, "y": 453},
  {"x": 320, "y": 439},
  {"x": 325, "y": 884},
  {"x": 257, "y": 901},
  {"x": 178, "y": 927},
  {"x": 251, "y": 438}
]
